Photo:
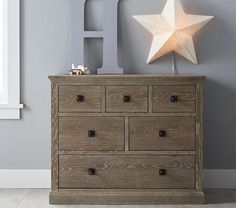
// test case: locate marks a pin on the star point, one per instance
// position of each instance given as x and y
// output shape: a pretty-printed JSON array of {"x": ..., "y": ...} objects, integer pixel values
[{"x": 173, "y": 30}]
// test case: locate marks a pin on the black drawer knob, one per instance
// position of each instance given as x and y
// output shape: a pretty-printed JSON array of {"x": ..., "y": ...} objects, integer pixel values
[
  {"x": 127, "y": 99},
  {"x": 162, "y": 133},
  {"x": 162, "y": 172},
  {"x": 174, "y": 99},
  {"x": 91, "y": 171},
  {"x": 80, "y": 98},
  {"x": 91, "y": 133}
]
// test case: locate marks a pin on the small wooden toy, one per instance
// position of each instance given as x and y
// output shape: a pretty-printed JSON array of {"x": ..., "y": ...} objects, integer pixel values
[{"x": 80, "y": 70}]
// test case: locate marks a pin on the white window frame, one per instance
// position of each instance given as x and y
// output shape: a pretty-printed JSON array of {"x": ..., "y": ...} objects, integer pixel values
[{"x": 11, "y": 109}]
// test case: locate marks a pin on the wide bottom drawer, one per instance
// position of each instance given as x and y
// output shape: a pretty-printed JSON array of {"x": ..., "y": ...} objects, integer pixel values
[{"x": 126, "y": 171}]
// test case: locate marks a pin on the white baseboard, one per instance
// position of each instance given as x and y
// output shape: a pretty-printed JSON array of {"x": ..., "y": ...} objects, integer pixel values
[
  {"x": 40, "y": 178},
  {"x": 25, "y": 178},
  {"x": 220, "y": 178}
]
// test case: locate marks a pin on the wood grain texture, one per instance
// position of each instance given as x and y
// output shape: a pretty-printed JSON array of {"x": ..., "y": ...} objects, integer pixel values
[
  {"x": 129, "y": 176},
  {"x": 126, "y": 133},
  {"x": 69, "y": 152},
  {"x": 126, "y": 171},
  {"x": 199, "y": 136},
  {"x": 144, "y": 133},
  {"x": 126, "y": 196},
  {"x": 124, "y": 114},
  {"x": 115, "y": 102},
  {"x": 54, "y": 136},
  {"x": 73, "y": 133},
  {"x": 129, "y": 79},
  {"x": 103, "y": 98},
  {"x": 186, "y": 98},
  {"x": 150, "y": 98},
  {"x": 68, "y": 102}
]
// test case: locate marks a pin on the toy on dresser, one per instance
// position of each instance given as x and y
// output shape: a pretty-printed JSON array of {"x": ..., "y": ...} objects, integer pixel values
[{"x": 79, "y": 70}]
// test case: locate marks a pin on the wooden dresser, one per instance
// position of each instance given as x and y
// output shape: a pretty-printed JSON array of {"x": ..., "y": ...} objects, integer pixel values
[{"x": 127, "y": 139}]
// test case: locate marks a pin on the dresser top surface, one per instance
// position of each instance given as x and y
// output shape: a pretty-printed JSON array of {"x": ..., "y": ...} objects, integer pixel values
[{"x": 137, "y": 77}]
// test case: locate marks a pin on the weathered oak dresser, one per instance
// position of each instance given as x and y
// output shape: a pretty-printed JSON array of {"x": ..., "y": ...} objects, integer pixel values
[{"x": 127, "y": 139}]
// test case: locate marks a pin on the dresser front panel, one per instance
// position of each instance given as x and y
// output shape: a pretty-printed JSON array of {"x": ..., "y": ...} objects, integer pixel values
[
  {"x": 91, "y": 133},
  {"x": 186, "y": 99},
  {"x": 79, "y": 98},
  {"x": 127, "y": 139},
  {"x": 126, "y": 171},
  {"x": 138, "y": 99},
  {"x": 162, "y": 133}
]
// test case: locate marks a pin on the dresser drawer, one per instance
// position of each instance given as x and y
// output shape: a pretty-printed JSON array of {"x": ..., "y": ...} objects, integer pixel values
[
  {"x": 162, "y": 133},
  {"x": 79, "y": 99},
  {"x": 91, "y": 133},
  {"x": 126, "y": 99},
  {"x": 126, "y": 171},
  {"x": 174, "y": 98}
]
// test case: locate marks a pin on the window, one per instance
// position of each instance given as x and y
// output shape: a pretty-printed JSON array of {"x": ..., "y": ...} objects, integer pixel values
[
  {"x": 3, "y": 53},
  {"x": 10, "y": 59}
]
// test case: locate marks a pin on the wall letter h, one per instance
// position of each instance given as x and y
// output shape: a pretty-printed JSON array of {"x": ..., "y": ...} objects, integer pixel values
[{"x": 109, "y": 35}]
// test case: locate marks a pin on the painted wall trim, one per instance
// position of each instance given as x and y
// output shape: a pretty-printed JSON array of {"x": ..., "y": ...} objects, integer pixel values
[
  {"x": 25, "y": 178},
  {"x": 220, "y": 178},
  {"x": 11, "y": 110},
  {"x": 40, "y": 178}
]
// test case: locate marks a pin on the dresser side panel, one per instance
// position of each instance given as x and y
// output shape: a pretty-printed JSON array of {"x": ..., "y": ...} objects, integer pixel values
[
  {"x": 54, "y": 136},
  {"x": 199, "y": 135}
]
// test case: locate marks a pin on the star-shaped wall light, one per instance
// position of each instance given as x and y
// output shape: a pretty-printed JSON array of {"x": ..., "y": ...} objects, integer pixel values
[{"x": 173, "y": 30}]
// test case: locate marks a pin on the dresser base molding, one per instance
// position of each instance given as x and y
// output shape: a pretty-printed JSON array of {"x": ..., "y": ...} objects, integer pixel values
[{"x": 126, "y": 196}]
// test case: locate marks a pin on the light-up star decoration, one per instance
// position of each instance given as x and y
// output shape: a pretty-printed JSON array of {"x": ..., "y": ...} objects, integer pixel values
[{"x": 173, "y": 30}]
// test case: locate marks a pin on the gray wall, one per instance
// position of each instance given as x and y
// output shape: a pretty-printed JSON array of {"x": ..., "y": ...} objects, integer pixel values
[{"x": 45, "y": 50}]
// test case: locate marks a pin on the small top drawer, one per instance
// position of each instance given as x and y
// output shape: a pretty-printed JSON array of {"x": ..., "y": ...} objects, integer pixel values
[
  {"x": 79, "y": 99},
  {"x": 126, "y": 99},
  {"x": 174, "y": 99}
]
